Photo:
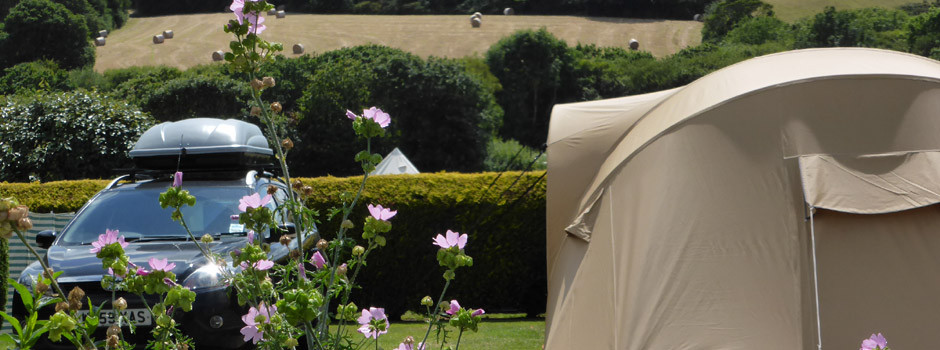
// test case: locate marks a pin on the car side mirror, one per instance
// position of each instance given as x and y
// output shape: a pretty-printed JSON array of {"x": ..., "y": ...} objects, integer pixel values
[
  {"x": 45, "y": 238},
  {"x": 288, "y": 228}
]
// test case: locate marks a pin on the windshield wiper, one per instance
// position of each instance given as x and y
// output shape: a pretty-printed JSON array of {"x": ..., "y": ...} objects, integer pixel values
[{"x": 158, "y": 238}]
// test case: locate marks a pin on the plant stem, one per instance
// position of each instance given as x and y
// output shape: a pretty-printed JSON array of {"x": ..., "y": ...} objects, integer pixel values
[
  {"x": 55, "y": 284},
  {"x": 437, "y": 315},
  {"x": 457, "y": 347}
]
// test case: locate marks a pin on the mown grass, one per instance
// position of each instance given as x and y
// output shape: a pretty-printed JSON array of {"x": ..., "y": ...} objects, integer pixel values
[
  {"x": 197, "y": 36},
  {"x": 792, "y": 10},
  {"x": 499, "y": 334}
]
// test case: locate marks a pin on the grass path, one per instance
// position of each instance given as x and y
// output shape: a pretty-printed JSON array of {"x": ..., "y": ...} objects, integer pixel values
[
  {"x": 197, "y": 36},
  {"x": 492, "y": 335},
  {"x": 792, "y": 10}
]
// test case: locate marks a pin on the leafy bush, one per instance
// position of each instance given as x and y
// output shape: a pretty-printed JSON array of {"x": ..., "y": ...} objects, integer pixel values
[
  {"x": 760, "y": 30},
  {"x": 196, "y": 96},
  {"x": 604, "y": 72},
  {"x": 924, "y": 33},
  {"x": 33, "y": 76},
  {"x": 533, "y": 68},
  {"x": 870, "y": 27},
  {"x": 125, "y": 80},
  {"x": 86, "y": 78},
  {"x": 69, "y": 135},
  {"x": 439, "y": 111},
  {"x": 723, "y": 15},
  {"x": 41, "y": 29},
  {"x": 169, "y": 7},
  {"x": 510, "y": 155}
]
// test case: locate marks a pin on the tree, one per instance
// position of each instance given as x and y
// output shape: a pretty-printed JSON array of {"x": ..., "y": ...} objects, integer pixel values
[
  {"x": 533, "y": 67},
  {"x": 723, "y": 15},
  {"x": 41, "y": 29}
]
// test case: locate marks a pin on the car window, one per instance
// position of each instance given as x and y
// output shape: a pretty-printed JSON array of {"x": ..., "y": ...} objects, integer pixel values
[{"x": 136, "y": 213}]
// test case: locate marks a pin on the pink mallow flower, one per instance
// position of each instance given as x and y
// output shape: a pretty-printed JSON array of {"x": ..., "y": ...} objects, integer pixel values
[
  {"x": 259, "y": 265},
  {"x": 160, "y": 264},
  {"x": 238, "y": 7},
  {"x": 351, "y": 115},
  {"x": 318, "y": 260},
  {"x": 380, "y": 213},
  {"x": 406, "y": 346},
  {"x": 453, "y": 239},
  {"x": 373, "y": 322},
  {"x": 252, "y": 329},
  {"x": 178, "y": 179},
  {"x": 454, "y": 307},
  {"x": 109, "y": 237},
  {"x": 875, "y": 342},
  {"x": 382, "y": 118},
  {"x": 253, "y": 201}
]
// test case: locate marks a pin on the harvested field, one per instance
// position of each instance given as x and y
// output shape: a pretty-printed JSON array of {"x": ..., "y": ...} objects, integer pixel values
[{"x": 197, "y": 36}]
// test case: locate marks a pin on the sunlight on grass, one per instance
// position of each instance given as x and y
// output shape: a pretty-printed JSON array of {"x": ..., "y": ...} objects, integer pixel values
[
  {"x": 792, "y": 10},
  {"x": 527, "y": 334}
]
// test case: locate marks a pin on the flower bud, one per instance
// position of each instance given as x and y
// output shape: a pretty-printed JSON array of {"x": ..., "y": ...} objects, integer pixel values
[
  {"x": 24, "y": 224},
  {"x": 113, "y": 341},
  {"x": 268, "y": 82},
  {"x": 287, "y": 144},
  {"x": 61, "y": 306},
  {"x": 257, "y": 84},
  {"x": 341, "y": 270},
  {"x": 322, "y": 245},
  {"x": 76, "y": 294},
  {"x": 41, "y": 287},
  {"x": 290, "y": 343},
  {"x": 276, "y": 107},
  {"x": 449, "y": 275},
  {"x": 113, "y": 330},
  {"x": 427, "y": 301},
  {"x": 255, "y": 111},
  {"x": 284, "y": 240},
  {"x": 358, "y": 250},
  {"x": 206, "y": 238},
  {"x": 120, "y": 304},
  {"x": 272, "y": 190},
  {"x": 348, "y": 224},
  {"x": 444, "y": 305}
]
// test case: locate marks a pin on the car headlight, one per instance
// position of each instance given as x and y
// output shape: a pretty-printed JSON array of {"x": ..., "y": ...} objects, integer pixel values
[{"x": 211, "y": 275}]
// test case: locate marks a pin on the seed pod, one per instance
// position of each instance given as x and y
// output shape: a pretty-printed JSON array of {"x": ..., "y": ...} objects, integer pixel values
[
  {"x": 113, "y": 330},
  {"x": 297, "y": 185},
  {"x": 322, "y": 245},
  {"x": 206, "y": 238},
  {"x": 24, "y": 224},
  {"x": 257, "y": 84},
  {"x": 41, "y": 287},
  {"x": 287, "y": 144},
  {"x": 308, "y": 190},
  {"x": 276, "y": 107},
  {"x": 272, "y": 190},
  {"x": 114, "y": 341},
  {"x": 284, "y": 240},
  {"x": 358, "y": 250},
  {"x": 341, "y": 270},
  {"x": 255, "y": 111},
  {"x": 295, "y": 254},
  {"x": 61, "y": 306},
  {"x": 347, "y": 224},
  {"x": 76, "y": 295},
  {"x": 268, "y": 82},
  {"x": 120, "y": 304}
]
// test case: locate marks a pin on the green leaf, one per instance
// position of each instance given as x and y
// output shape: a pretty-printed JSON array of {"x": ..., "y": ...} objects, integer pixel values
[
  {"x": 7, "y": 342},
  {"x": 13, "y": 321},
  {"x": 35, "y": 336},
  {"x": 24, "y": 293}
]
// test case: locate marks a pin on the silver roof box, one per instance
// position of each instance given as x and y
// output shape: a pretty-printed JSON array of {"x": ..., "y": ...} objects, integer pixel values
[{"x": 202, "y": 143}]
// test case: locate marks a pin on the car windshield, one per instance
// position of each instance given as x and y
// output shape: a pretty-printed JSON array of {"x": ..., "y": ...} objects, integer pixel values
[{"x": 136, "y": 213}]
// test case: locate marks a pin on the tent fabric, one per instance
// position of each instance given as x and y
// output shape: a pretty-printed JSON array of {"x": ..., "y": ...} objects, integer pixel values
[
  {"x": 874, "y": 184},
  {"x": 678, "y": 219},
  {"x": 395, "y": 163}
]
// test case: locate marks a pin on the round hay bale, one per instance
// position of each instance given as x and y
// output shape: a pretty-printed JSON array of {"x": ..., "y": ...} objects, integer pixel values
[
  {"x": 272, "y": 12},
  {"x": 218, "y": 56},
  {"x": 103, "y": 33},
  {"x": 281, "y": 14},
  {"x": 475, "y": 22},
  {"x": 281, "y": 7},
  {"x": 158, "y": 39},
  {"x": 634, "y": 45},
  {"x": 168, "y": 34},
  {"x": 298, "y": 49},
  {"x": 698, "y": 17},
  {"x": 478, "y": 15},
  {"x": 99, "y": 41},
  {"x": 508, "y": 11}
]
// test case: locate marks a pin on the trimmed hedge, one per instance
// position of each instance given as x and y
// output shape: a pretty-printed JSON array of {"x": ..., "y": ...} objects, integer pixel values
[{"x": 505, "y": 222}]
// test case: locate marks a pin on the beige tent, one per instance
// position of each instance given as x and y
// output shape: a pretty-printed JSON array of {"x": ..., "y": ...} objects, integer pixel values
[{"x": 780, "y": 203}]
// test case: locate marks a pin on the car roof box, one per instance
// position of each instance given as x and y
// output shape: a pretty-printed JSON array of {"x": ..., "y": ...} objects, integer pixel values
[{"x": 202, "y": 144}]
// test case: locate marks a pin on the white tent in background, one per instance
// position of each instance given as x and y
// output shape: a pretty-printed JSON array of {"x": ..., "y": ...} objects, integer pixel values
[{"x": 395, "y": 163}]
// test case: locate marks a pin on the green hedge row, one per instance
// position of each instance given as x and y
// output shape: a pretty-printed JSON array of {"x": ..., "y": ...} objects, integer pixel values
[{"x": 504, "y": 216}]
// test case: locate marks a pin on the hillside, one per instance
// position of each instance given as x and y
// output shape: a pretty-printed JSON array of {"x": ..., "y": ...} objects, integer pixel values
[
  {"x": 197, "y": 36},
  {"x": 792, "y": 10}
]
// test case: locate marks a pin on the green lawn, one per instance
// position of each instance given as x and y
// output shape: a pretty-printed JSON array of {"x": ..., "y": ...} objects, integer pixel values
[{"x": 514, "y": 334}]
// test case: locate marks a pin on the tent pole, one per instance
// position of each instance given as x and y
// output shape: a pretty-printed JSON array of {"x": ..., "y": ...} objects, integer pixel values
[{"x": 812, "y": 233}]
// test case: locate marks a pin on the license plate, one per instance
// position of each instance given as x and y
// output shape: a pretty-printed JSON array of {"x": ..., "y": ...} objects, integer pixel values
[{"x": 139, "y": 317}]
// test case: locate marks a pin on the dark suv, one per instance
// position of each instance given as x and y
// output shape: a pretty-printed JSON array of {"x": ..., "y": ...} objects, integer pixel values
[{"x": 218, "y": 173}]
